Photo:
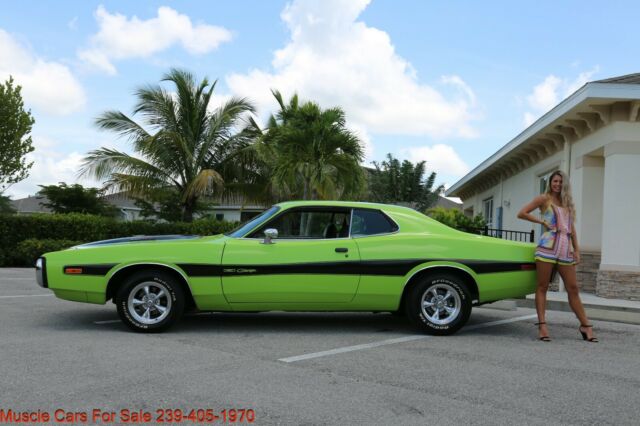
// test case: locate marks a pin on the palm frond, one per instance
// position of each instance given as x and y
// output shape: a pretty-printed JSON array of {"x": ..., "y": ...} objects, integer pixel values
[
  {"x": 104, "y": 162},
  {"x": 124, "y": 126},
  {"x": 136, "y": 186},
  {"x": 205, "y": 181}
]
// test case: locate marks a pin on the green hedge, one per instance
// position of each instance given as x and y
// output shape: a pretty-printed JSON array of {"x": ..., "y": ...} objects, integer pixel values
[
  {"x": 456, "y": 219},
  {"x": 80, "y": 228},
  {"x": 29, "y": 250}
]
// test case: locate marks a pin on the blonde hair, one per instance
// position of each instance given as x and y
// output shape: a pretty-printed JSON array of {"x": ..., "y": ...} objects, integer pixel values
[{"x": 565, "y": 192}]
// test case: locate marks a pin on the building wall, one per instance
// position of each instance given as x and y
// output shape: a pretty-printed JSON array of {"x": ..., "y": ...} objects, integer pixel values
[
  {"x": 513, "y": 193},
  {"x": 587, "y": 180},
  {"x": 604, "y": 169},
  {"x": 587, "y": 173}
]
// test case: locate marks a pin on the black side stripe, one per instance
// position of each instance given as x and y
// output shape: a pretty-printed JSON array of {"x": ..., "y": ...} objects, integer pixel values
[
  {"x": 366, "y": 267},
  {"x": 98, "y": 270},
  {"x": 201, "y": 270}
]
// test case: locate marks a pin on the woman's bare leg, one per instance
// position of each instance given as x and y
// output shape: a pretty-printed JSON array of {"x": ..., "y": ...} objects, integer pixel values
[
  {"x": 568, "y": 274},
  {"x": 544, "y": 270}
]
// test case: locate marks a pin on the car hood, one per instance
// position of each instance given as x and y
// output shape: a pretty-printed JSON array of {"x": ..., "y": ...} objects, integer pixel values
[{"x": 137, "y": 239}]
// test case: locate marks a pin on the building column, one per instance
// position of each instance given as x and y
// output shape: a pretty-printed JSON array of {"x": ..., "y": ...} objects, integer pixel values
[
  {"x": 587, "y": 182},
  {"x": 619, "y": 274}
]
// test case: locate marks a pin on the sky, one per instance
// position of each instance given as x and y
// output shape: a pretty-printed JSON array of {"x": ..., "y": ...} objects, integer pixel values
[{"x": 447, "y": 82}]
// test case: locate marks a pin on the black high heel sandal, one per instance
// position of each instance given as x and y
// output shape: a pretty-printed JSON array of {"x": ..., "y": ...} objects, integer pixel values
[
  {"x": 584, "y": 335},
  {"x": 543, "y": 338}
]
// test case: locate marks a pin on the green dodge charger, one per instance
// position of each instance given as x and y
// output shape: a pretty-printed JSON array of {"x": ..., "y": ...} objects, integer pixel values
[{"x": 299, "y": 256}]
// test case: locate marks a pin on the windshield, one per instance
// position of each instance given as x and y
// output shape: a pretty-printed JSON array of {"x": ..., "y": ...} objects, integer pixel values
[{"x": 243, "y": 229}]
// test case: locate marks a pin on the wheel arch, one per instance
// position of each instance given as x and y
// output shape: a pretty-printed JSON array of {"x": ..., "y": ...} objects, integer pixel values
[
  {"x": 123, "y": 272},
  {"x": 423, "y": 271}
]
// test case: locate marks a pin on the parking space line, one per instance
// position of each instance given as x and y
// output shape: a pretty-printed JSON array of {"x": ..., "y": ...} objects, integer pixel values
[
  {"x": 352, "y": 348},
  {"x": 25, "y": 295},
  {"x": 394, "y": 341},
  {"x": 498, "y": 322}
]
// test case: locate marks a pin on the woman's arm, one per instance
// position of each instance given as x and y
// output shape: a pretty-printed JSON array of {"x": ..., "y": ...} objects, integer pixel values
[
  {"x": 536, "y": 203},
  {"x": 574, "y": 242}
]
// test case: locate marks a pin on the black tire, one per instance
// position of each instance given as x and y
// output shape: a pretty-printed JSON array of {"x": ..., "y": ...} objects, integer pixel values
[
  {"x": 432, "y": 289},
  {"x": 163, "y": 311}
]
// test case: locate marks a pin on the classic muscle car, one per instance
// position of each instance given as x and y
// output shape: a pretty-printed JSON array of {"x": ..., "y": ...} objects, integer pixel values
[{"x": 299, "y": 256}]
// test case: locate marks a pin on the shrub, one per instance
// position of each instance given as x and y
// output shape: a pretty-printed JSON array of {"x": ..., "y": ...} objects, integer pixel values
[
  {"x": 84, "y": 228},
  {"x": 456, "y": 219},
  {"x": 29, "y": 250}
]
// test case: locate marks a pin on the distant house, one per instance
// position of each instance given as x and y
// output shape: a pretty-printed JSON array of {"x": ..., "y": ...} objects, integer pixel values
[
  {"x": 593, "y": 136},
  {"x": 448, "y": 204},
  {"x": 231, "y": 209},
  {"x": 35, "y": 204},
  {"x": 30, "y": 205}
]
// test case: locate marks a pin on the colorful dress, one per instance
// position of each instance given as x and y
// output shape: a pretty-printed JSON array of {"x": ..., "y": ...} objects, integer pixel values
[{"x": 555, "y": 246}]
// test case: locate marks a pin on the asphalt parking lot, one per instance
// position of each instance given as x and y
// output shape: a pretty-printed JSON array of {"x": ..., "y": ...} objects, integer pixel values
[{"x": 313, "y": 368}]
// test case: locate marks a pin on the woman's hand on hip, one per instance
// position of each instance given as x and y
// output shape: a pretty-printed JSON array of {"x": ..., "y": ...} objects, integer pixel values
[{"x": 576, "y": 257}]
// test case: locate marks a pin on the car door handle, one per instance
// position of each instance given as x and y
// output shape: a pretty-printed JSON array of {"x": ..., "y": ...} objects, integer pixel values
[{"x": 341, "y": 250}]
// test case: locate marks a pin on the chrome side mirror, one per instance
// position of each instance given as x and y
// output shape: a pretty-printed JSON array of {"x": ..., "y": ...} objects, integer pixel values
[{"x": 270, "y": 234}]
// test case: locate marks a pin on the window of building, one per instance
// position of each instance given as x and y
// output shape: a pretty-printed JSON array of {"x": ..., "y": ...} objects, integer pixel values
[
  {"x": 487, "y": 211},
  {"x": 219, "y": 216},
  {"x": 543, "y": 182}
]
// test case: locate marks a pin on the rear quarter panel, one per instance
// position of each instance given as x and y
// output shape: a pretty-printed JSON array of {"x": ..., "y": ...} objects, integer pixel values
[{"x": 481, "y": 257}]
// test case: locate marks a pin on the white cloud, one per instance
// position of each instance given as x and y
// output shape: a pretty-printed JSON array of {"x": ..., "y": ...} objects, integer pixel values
[
  {"x": 49, "y": 168},
  {"x": 440, "y": 158},
  {"x": 120, "y": 37},
  {"x": 47, "y": 85},
  {"x": 551, "y": 92},
  {"x": 545, "y": 95},
  {"x": 334, "y": 59}
]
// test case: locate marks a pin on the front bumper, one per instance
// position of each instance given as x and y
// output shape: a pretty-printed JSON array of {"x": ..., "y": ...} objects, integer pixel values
[{"x": 41, "y": 272}]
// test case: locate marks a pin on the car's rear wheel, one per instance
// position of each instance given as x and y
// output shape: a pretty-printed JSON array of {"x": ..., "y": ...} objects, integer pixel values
[
  {"x": 150, "y": 301},
  {"x": 439, "y": 304}
]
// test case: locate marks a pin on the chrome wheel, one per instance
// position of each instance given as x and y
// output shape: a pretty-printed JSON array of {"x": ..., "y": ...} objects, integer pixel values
[
  {"x": 149, "y": 302},
  {"x": 440, "y": 304}
]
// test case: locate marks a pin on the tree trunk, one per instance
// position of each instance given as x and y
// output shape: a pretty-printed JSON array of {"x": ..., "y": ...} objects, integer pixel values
[{"x": 187, "y": 213}]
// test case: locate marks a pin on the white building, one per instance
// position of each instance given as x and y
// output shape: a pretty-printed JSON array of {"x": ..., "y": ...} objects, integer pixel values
[{"x": 593, "y": 136}]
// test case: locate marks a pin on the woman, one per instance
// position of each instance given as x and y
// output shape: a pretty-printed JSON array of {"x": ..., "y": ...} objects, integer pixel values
[{"x": 558, "y": 247}]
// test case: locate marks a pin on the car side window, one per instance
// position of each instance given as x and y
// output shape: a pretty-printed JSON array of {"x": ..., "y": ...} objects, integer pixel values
[
  {"x": 309, "y": 224},
  {"x": 371, "y": 222}
]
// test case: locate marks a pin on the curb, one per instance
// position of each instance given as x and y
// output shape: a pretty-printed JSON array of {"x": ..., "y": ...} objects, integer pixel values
[{"x": 596, "y": 311}]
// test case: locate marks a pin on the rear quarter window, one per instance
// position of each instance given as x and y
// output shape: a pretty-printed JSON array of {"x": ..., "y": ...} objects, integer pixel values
[{"x": 371, "y": 222}]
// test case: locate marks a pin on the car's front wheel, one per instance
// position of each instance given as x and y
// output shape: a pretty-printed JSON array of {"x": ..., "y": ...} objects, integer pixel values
[
  {"x": 439, "y": 304},
  {"x": 150, "y": 301}
]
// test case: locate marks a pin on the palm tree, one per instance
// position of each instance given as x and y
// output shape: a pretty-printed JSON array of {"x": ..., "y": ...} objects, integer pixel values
[
  {"x": 392, "y": 182},
  {"x": 180, "y": 143},
  {"x": 310, "y": 152}
]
